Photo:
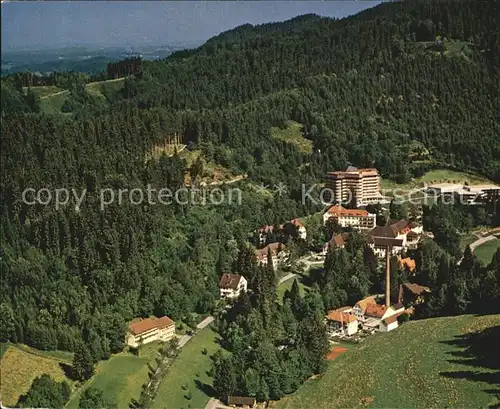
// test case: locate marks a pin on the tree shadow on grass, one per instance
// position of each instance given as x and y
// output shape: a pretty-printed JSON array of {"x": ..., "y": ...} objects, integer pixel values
[
  {"x": 479, "y": 350},
  {"x": 205, "y": 388},
  {"x": 67, "y": 369}
]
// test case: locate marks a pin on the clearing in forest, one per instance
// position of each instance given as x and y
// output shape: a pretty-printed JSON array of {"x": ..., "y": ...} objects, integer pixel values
[
  {"x": 20, "y": 366},
  {"x": 292, "y": 134}
]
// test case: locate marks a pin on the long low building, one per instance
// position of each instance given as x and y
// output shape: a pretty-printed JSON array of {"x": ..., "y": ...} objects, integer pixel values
[
  {"x": 355, "y": 218},
  {"x": 466, "y": 194},
  {"x": 143, "y": 331}
]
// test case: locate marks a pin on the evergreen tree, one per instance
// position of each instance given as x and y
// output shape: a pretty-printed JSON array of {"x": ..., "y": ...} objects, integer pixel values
[
  {"x": 83, "y": 364},
  {"x": 224, "y": 376},
  {"x": 93, "y": 398},
  {"x": 45, "y": 393}
]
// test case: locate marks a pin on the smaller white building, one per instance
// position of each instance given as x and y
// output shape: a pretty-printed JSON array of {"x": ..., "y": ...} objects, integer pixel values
[
  {"x": 389, "y": 323},
  {"x": 232, "y": 285},
  {"x": 278, "y": 254},
  {"x": 263, "y": 232},
  {"x": 301, "y": 230}
]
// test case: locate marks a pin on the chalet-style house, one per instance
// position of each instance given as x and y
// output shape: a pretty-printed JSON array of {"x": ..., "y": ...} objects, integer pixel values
[
  {"x": 301, "y": 230},
  {"x": 337, "y": 241},
  {"x": 360, "y": 308},
  {"x": 143, "y": 331},
  {"x": 288, "y": 228},
  {"x": 408, "y": 232},
  {"x": 232, "y": 285},
  {"x": 342, "y": 321},
  {"x": 373, "y": 316},
  {"x": 263, "y": 231},
  {"x": 241, "y": 401},
  {"x": 412, "y": 294},
  {"x": 278, "y": 254},
  {"x": 356, "y": 218}
]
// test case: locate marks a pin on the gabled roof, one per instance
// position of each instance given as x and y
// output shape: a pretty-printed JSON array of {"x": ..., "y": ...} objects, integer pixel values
[
  {"x": 413, "y": 225},
  {"x": 139, "y": 326},
  {"x": 397, "y": 306},
  {"x": 241, "y": 400},
  {"x": 375, "y": 310},
  {"x": 265, "y": 229},
  {"x": 336, "y": 211},
  {"x": 408, "y": 263},
  {"x": 296, "y": 223},
  {"x": 400, "y": 226},
  {"x": 339, "y": 240},
  {"x": 416, "y": 289},
  {"x": 229, "y": 281},
  {"x": 363, "y": 304},
  {"x": 391, "y": 319},
  {"x": 383, "y": 231},
  {"x": 339, "y": 316},
  {"x": 344, "y": 309},
  {"x": 275, "y": 248},
  {"x": 384, "y": 241}
]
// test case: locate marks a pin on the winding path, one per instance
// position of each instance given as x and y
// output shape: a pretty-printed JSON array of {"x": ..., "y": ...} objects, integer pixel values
[{"x": 478, "y": 242}]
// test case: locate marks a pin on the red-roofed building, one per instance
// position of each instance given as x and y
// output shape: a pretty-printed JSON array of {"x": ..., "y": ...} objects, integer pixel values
[
  {"x": 143, "y": 331},
  {"x": 355, "y": 218},
  {"x": 337, "y": 241},
  {"x": 342, "y": 321}
]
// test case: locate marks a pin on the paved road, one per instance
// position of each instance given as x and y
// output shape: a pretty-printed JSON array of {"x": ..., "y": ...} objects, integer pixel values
[
  {"x": 480, "y": 241},
  {"x": 477, "y": 243},
  {"x": 185, "y": 338},
  {"x": 307, "y": 266},
  {"x": 55, "y": 93}
]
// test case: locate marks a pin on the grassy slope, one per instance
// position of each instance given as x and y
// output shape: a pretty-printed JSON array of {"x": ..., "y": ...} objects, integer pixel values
[
  {"x": 485, "y": 251},
  {"x": 121, "y": 377},
  {"x": 437, "y": 176},
  {"x": 52, "y": 104},
  {"x": 402, "y": 369},
  {"x": 293, "y": 135},
  {"x": 43, "y": 91},
  {"x": 21, "y": 365},
  {"x": 184, "y": 370},
  {"x": 52, "y": 98},
  {"x": 98, "y": 88}
]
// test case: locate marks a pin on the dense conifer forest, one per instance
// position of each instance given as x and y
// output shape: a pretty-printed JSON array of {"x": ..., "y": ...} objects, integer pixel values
[{"x": 367, "y": 89}]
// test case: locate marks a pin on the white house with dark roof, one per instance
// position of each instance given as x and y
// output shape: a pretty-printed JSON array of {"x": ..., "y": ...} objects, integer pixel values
[
  {"x": 232, "y": 285},
  {"x": 278, "y": 254}
]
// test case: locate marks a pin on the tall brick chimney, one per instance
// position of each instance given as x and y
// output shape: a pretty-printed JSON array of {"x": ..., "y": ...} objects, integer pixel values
[{"x": 388, "y": 276}]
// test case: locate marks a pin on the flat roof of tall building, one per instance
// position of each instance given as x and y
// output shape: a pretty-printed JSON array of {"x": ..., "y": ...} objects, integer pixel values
[{"x": 354, "y": 172}]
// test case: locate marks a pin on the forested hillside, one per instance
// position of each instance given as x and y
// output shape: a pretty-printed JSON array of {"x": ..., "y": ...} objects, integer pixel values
[{"x": 364, "y": 88}]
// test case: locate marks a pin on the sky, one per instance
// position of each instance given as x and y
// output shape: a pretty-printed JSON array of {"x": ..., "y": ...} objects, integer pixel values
[{"x": 43, "y": 24}]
